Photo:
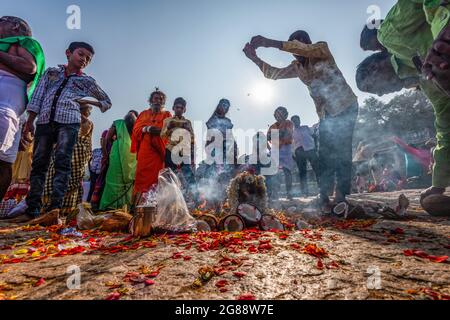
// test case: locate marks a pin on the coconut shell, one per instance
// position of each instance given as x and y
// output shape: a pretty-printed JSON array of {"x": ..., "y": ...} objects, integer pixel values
[
  {"x": 117, "y": 221},
  {"x": 437, "y": 205},
  {"x": 203, "y": 226},
  {"x": 211, "y": 220},
  {"x": 270, "y": 222},
  {"x": 250, "y": 214},
  {"x": 232, "y": 223}
]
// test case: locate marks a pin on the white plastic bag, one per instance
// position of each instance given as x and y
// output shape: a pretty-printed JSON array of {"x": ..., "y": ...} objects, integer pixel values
[{"x": 172, "y": 212}]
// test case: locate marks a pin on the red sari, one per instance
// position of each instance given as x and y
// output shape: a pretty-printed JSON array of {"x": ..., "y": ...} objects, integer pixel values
[{"x": 150, "y": 150}]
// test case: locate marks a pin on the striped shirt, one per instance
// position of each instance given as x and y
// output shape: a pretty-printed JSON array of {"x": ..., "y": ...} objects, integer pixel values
[{"x": 67, "y": 108}]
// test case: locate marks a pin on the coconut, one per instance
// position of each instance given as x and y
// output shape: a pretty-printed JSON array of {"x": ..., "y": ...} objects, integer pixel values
[{"x": 116, "y": 221}]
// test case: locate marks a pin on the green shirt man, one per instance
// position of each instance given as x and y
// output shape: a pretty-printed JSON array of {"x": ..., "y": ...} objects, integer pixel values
[{"x": 408, "y": 32}]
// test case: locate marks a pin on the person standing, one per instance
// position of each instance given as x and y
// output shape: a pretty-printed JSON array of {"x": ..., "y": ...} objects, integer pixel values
[
  {"x": 147, "y": 144},
  {"x": 284, "y": 145},
  {"x": 120, "y": 177},
  {"x": 336, "y": 105},
  {"x": 180, "y": 141},
  {"x": 56, "y": 104},
  {"x": 21, "y": 65},
  {"x": 415, "y": 42},
  {"x": 304, "y": 151}
]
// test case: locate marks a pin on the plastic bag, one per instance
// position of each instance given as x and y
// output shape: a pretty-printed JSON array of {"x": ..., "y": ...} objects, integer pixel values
[
  {"x": 172, "y": 213},
  {"x": 85, "y": 218},
  {"x": 148, "y": 199}
]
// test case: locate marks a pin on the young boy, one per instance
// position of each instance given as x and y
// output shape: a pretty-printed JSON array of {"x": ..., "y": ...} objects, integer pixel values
[
  {"x": 56, "y": 104},
  {"x": 181, "y": 142}
]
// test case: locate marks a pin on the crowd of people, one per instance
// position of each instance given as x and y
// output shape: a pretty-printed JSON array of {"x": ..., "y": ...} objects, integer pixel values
[{"x": 53, "y": 145}]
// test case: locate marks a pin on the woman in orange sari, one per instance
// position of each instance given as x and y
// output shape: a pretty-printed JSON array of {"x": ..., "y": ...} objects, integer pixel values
[{"x": 148, "y": 145}]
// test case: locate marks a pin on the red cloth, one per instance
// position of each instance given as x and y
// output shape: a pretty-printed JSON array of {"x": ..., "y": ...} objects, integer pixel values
[
  {"x": 424, "y": 157},
  {"x": 150, "y": 150}
]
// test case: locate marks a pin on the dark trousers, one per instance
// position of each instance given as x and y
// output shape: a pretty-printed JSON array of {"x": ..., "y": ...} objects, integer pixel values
[
  {"x": 5, "y": 177},
  {"x": 302, "y": 158},
  {"x": 186, "y": 169},
  {"x": 93, "y": 179},
  {"x": 49, "y": 138},
  {"x": 335, "y": 153},
  {"x": 273, "y": 183},
  {"x": 288, "y": 182}
]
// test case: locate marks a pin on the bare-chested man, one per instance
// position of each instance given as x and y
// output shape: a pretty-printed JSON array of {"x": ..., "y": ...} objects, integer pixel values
[{"x": 21, "y": 60}]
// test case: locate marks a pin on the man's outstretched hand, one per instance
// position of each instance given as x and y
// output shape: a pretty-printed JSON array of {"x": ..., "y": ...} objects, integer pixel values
[
  {"x": 258, "y": 42},
  {"x": 250, "y": 52},
  {"x": 439, "y": 55}
]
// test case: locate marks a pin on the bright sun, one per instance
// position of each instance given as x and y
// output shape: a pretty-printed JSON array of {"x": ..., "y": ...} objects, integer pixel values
[{"x": 262, "y": 92}]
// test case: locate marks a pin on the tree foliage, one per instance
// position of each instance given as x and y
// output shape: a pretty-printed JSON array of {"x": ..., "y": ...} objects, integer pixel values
[{"x": 406, "y": 113}]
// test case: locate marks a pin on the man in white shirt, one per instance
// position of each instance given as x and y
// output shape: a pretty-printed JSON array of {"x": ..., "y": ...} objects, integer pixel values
[{"x": 305, "y": 150}]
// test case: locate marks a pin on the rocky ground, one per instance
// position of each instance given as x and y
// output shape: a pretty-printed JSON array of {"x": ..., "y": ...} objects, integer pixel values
[{"x": 333, "y": 259}]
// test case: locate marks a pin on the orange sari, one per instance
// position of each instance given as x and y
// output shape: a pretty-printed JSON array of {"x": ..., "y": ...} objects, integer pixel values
[{"x": 150, "y": 150}]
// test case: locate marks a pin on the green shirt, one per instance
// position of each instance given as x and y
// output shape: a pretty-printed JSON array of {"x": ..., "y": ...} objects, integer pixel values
[
  {"x": 34, "y": 48},
  {"x": 410, "y": 29}
]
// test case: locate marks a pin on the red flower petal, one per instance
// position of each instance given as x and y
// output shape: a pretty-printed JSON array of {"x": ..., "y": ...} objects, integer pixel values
[
  {"x": 149, "y": 282},
  {"x": 247, "y": 297},
  {"x": 437, "y": 259},
  {"x": 113, "y": 296},
  {"x": 239, "y": 274},
  {"x": 177, "y": 255},
  {"x": 221, "y": 283},
  {"x": 319, "y": 264},
  {"x": 219, "y": 271},
  {"x": 40, "y": 282},
  {"x": 153, "y": 274}
]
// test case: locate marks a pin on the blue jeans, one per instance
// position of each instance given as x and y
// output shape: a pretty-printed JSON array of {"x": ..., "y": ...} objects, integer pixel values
[{"x": 49, "y": 138}]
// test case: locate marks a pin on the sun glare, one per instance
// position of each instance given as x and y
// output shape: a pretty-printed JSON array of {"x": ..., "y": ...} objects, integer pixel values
[{"x": 262, "y": 92}]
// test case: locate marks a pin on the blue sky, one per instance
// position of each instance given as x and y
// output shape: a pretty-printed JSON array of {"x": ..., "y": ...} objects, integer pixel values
[{"x": 193, "y": 49}]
